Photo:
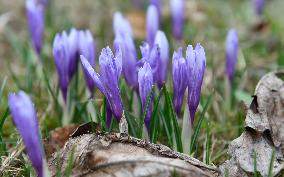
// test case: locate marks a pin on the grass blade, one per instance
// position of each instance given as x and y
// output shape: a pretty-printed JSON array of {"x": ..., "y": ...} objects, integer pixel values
[
  {"x": 51, "y": 92},
  {"x": 58, "y": 165},
  {"x": 154, "y": 119},
  {"x": 141, "y": 122},
  {"x": 70, "y": 161},
  {"x": 2, "y": 121},
  {"x": 100, "y": 119},
  {"x": 208, "y": 143},
  {"x": 166, "y": 127},
  {"x": 132, "y": 124},
  {"x": 199, "y": 123},
  {"x": 2, "y": 88},
  {"x": 173, "y": 120},
  {"x": 271, "y": 163}
]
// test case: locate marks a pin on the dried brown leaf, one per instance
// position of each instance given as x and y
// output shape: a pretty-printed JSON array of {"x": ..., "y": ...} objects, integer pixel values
[
  {"x": 117, "y": 155},
  {"x": 264, "y": 132}
]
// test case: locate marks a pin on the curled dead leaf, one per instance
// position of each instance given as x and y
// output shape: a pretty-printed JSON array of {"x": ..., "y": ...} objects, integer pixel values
[{"x": 264, "y": 132}]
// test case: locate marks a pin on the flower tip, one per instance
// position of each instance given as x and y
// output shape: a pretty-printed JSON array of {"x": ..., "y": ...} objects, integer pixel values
[{"x": 84, "y": 60}]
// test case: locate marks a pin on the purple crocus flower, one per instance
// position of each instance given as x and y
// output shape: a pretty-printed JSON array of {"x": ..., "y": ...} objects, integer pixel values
[
  {"x": 35, "y": 16},
  {"x": 179, "y": 77},
  {"x": 123, "y": 38},
  {"x": 145, "y": 80},
  {"x": 258, "y": 6},
  {"x": 177, "y": 10},
  {"x": 61, "y": 54},
  {"x": 107, "y": 80},
  {"x": 232, "y": 47},
  {"x": 25, "y": 119},
  {"x": 86, "y": 47},
  {"x": 152, "y": 25},
  {"x": 196, "y": 64},
  {"x": 162, "y": 73}
]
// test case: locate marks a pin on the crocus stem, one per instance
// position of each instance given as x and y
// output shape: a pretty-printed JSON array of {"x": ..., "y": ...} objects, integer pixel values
[
  {"x": 186, "y": 131},
  {"x": 46, "y": 172},
  {"x": 90, "y": 107},
  {"x": 228, "y": 93},
  {"x": 123, "y": 125},
  {"x": 68, "y": 110},
  {"x": 145, "y": 134},
  {"x": 135, "y": 102}
]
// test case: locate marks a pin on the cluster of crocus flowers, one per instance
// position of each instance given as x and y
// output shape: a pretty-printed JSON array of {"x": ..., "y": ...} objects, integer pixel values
[
  {"x": 25, "y": 119},
  {"x": 124, "y": 39},
  {"x": 145, "y": 80},
  {"x": 66, "y": 51},
  {"x": 35, "y": 17},
  {"x": 177, "y": 11},
  {"x": 158, "y": 58},
  {"x": 107, "y": 80},
  {"x": 232, "y": 47},
  {"x": 189, "y": 73}
]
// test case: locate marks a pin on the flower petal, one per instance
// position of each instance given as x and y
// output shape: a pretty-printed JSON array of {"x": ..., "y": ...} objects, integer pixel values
[
  {"x": 145, "y": 80},
  {"x": 89, "y": 70},
  {"x": 25, "y": 119}
]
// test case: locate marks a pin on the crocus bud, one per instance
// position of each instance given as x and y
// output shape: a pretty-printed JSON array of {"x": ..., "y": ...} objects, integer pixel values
[
  {"x": 152, "y": 25},
  {"x": 232, "y": 47},
  {"x": 258, "y": 6},
  {"x": 87, "y": 48},
  {"x": 177, "y": 10},
  {"x": 107, "y": 81},
  {"x": 25, "y": 119},
  {"x": 162, "y": 74},
  {"x": 121, "y": 25},
  {"x": 145, "y": 80},
  {"x": 123, "y": 39},
  {"x": 61, "y": 56},
  {"x": 196, "y": 64},
  {"x": 179, "y": 77},
  {"x": 35, "y": 16}
]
